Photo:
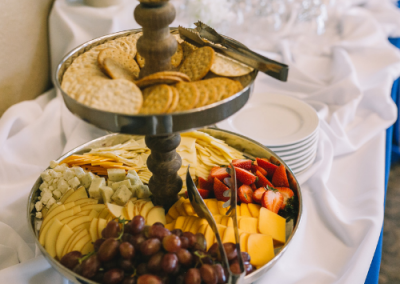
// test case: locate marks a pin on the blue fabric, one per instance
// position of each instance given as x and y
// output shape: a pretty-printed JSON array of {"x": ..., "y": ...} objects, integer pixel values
[{"x": 392, "y": 145}]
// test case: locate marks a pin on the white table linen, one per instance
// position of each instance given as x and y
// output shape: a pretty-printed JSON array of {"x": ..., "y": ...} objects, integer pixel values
[{"x": 350, "y": 71}]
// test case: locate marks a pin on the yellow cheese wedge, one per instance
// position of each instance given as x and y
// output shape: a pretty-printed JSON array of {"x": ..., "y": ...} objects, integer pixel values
[
  {"x": 260, "y": 248},
  {"x": 209, "y": 236},
  {"x": 94, "y": 213},
  {"x": 248, "y": 224},
  {"x": 202, "y": 229},
  {"x": 85, "y": 225},
  {"x": 93, "y": 229},
  {"x": 173, "y": 212},
  {"x": 78, "y": 237},
  {"x": 170, "y": 226},
  {"x": 244, "y": 210},
  {"x": 169, "y": 219},
  {"x": 188, "y": 209},
  {"x": 243, "y": 241},
  {"x": 221, "y": 209},
  {"x": 69, "y": 242},
  {"x": 179, "y": 207},
  {"x": 189, "y": 224},
  {"x": 218, "y": 218},
  {"x": 129, "y": 210},
  {"x": 81, "y": 243},
  {"x": 80, "y": 193},
  {"x": 254, "y": 209},
  {"x": 51, "y": 237},
  {"x": 66, "y": 195},
  {"x": 221, "y": 231},
  {"x": 78, "y": 221},
  {"x": 62, "y": 239},
  {"x": 101, "y": 224},
  {"x": 212, "y": 205},
  {"x": 180, "y": 222},
  {"x": 51, "y": 214},
  {"x": 115, "y": 210},
  {"x": 270, "y": 223},
  {"x": 97, "y": 207},
  {"x": 229, "y": 236},
  {"x": 87, "y": 248}
]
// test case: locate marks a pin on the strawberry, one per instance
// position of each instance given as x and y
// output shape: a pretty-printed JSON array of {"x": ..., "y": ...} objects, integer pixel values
[
  {"x": 279, "y": 178},
  {"x": 205, "y": 184},
  {"x": 242, "y": 163},
  {"x": 262, "y": 180},
  {"x": 219, "y": 173},
  {"x": 219, "y": 188},
  {"x": 287, "y": 193},
  {"x": 267, "y": 165},
  {"x": 245, "y": 176},
  {"x": 253, "y": 186},
  {"x": 258, "y": 194},
  {"x": 203, "y": 193},
  {"x": 245, "y": 194},
  {"x": 255, "y": 168},
  {"x": 272, "y": 200}
]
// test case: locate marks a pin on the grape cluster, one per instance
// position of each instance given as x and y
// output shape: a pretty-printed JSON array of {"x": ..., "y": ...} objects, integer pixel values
[{"x": 133, "y": 253}]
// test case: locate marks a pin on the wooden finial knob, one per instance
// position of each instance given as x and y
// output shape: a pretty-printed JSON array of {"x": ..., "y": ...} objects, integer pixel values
[{"x": 156, "y": 44}]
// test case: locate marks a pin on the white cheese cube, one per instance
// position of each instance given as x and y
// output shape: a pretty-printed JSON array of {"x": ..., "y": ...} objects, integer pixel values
[
  {"x": 117, "y": 184},
  {"x": 87, "y": 179},
  {"x": 106, "y": 192},
  {"x": 53, "y": 164},
  {"x": 94, "y": 189},
  {"x": 116, "y": 174},
  {"x": 39, "y": 215},
  {"x": 61, "y": 168},
  {"x": 54, "y": 182},
  {"x": 109, "y": 183},
  {"x": 50, "y": 202},
  {"x": 57, "y": 194},
  {"x": 135, "y": 180},
  {"x": 55, "y": 174},
  {"x": 39, "y": 206},
  {"x": 133, "y": 172},
  {"x": 51, "y": 188},
  {"x": 44, "y": 185},
  {"x": 122, "y": 195},
  {"x": 74, "y": 182},
  {"x": 78, "y": 171},
  {"x": 46, "y": 197},
  {"x": 142, "y": 191},
  {"x": 68, "y": 174},
  {"x": 62, "y": 185},
  {"x": 46, "y": 176}
]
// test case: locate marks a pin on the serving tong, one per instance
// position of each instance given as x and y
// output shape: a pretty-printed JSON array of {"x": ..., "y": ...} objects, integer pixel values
[
  {"x": 204, "y": 35},
  {"x": 202, "y": 211}
]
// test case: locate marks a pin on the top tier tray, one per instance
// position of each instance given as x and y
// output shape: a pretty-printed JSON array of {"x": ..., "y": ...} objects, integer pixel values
[{"x": 163, "y": 124}]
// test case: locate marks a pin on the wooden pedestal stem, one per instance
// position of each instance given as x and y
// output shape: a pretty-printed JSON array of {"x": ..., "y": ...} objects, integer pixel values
[
  {"x": 164, "y": 162},
  {"x": 156, "y": 44}
]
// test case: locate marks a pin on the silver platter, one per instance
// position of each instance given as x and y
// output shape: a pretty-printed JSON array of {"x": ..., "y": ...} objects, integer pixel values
[
  {"x": 249, "y": 147},
  {"x": 149, "y": 124}
]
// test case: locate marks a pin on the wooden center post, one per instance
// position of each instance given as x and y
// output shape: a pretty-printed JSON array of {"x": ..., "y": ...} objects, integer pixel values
[{"x": 157, "y": 46}]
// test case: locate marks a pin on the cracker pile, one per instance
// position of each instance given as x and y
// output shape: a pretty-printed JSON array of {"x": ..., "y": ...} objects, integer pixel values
[{"x": 107, "y": 77}]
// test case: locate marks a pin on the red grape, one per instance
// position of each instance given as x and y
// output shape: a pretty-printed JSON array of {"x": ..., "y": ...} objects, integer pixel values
[
  {"x": 125, "y": 264},
  {"x": 90, "y": 266},
  {"x": 214, "y": 251},
  {"x": 169, "y": 263},
  {"x": 113, "y": 276},
  {"x": 159, "y": 232},
  {"x": 111, "y": 230},
  {"x": 137, "y": 224},
  {"x": 98, "y": 243},
  {"x": 171, "y": 243},
  {"x": 184, "y": 242},
  {"x": 137, "y": 240},
  {"x": 208, "y": 274},
  {"x": 154, "y": 263},
  {"x": 219, "y": 270},
  {"x": 108, "y": 250},
  {"x": 127, "y": 250},
  {"x": 235, "y": 267},
  {"x": 177, "y": 232},
  {"x": 185, "y": 257},
  {"x": 150, "y": 246},
  {"x": 192, "y": 276},
  {"x": 71, "y": 259},
  {"x": 141, "y": 269},
  {"x": 148, "y": 279},
  {"x": 230, "y": 250},
  {"x": 191, "y": 237},
  {"x": 129, "y": 280},
  {"x": 248, "y": 268}
]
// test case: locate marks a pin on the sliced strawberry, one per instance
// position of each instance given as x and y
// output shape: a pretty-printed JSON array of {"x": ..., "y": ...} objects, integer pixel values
[
  {"x": 267, "y": 165},
  {"x": 242, "y": 163},
  {"x": 245, "y": 194},
  {"x": 255, "y": 168},
  {"x": 245, "y": 176},
  {"x": 287, "y": 193},
  {"x": 262, "y": 180},
  {"x": 219, "y": 173},
  {"x": 253, "y": 186},
  {"x": 279, "y": 178},
  {"x": 272, "y": 200},
  {"x": 205, "y": 184},
  {"x": 203, "y": 193},
  {"x": 219, "y": 188},
  {"x": 258, "y": 194}
]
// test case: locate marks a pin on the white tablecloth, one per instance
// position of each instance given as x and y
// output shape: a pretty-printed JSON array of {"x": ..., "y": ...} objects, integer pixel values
[{"x": 350, "y": 69}]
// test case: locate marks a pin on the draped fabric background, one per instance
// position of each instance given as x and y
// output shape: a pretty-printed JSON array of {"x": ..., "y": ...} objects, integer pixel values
[{"x": 349, "y": 70}]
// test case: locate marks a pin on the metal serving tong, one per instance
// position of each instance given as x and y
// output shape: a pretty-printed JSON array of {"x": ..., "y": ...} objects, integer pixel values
[
  {"x": 204, "y": 35},
  {"x": 202, "y": 211}
]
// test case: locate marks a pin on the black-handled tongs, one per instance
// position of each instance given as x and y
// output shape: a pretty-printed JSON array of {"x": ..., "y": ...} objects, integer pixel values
[
  {"x": 204, "y": 35},
  {"x": 202, "y": 211}
]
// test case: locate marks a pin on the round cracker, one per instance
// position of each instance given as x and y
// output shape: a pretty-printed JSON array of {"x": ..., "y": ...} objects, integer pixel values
[
  {"x": 175, "y": 100},
  {"x": 118, "y": 64},
  {"x": 203, "y": 94},
  {"x": 120, "y": 96},
  {"x": 146, "y": 82},
  {"x": 198, "y": 63},
  {"x": 212, "y": 91},
  {"x": 161, "y": 74},
  {"x": 228, "y": 67},
  {"x": 188, "y": 96},
  {"x": 157, "y": 99},
  {"x": 225, "y": 87}
]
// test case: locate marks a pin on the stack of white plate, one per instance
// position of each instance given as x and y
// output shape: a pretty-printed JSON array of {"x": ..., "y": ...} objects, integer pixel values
[{"x": 286, "y": 125}]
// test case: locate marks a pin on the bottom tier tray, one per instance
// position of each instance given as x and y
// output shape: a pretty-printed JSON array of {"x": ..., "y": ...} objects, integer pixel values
[{"x": 248, "y": 147}]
